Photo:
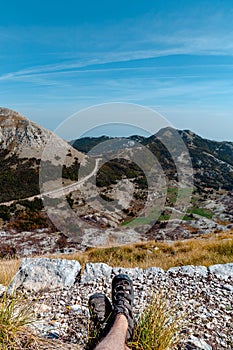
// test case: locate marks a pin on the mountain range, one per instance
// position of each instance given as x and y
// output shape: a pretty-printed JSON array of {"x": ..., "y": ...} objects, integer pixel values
[
  {"x": 21, "y": 146},
  {"x": 212, "y": 161}
]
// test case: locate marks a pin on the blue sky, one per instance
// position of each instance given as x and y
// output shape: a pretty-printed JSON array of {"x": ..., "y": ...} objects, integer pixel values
[{"x": 57, "y": 57}]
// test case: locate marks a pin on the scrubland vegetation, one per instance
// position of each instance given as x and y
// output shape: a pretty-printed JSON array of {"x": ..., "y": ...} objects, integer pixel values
[{"x": 208, "y": 249}]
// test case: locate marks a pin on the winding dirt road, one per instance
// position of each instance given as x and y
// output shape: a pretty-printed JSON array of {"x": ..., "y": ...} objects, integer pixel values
[{"x": 59, "y": 192}]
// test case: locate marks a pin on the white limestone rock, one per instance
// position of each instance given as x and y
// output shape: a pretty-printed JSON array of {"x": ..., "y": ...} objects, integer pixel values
[
  {"x": 96, "y": 271},
  {"x": 37, "y": 274},
  {"x": 222, "y": 270},
  {"x": 189, "y": 270},
  {"x": 153, "y": 271},
  {"x": 194, "y": 343},
  {"x": 134, "y": 273}
]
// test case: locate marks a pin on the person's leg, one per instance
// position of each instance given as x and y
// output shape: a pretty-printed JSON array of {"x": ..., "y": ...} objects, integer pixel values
[
  {"x": 122, "y": 298},
  {"x": 115, "y": 339},
  {"x": 119, "y": 331}
]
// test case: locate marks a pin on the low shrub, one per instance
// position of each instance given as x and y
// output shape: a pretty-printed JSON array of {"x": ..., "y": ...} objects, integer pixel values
[
  {"x": 27, "y": 220},
  {"x": 7, "y": 251},
  {"x": 5, "y": 213}
]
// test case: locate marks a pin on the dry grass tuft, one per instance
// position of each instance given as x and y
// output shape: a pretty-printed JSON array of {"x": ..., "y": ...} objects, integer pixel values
[
  {"x": 8, "y": 269},
  {"x": 160, "y": 325},
  {"x": 15, "y": 317}
]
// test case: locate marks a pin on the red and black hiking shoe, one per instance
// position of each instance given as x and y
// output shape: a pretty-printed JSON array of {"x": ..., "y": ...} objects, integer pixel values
[{"x": 122, "y": 299}]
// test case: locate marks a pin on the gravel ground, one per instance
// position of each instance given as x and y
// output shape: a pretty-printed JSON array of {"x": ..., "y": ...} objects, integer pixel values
[{"x": 205, "y": 297}]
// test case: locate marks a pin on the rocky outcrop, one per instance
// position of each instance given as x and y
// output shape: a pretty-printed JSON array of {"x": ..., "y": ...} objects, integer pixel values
[
  {"x": 26, "y": 139},
  {"x": 189, "y": 270},
  {"x": 96, "y": 271},
  {"x": 44, "y": 273}
]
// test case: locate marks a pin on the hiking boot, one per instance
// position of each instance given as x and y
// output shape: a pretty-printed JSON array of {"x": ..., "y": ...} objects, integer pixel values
[
  {"x": 122, "y": 298},
  {"x": 100, "y": 309}
]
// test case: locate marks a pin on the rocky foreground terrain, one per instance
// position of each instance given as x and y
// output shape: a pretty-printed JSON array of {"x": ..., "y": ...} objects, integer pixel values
[{"x": 204, "y": 297}]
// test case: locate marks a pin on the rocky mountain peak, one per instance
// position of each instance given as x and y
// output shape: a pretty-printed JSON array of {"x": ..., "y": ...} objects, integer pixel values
[
  {"x": 187, "y": 133},
  {"x": 8, "y": 118},
  {"x": 6, "y": 114},
  {"x": 19, "y": 135}
]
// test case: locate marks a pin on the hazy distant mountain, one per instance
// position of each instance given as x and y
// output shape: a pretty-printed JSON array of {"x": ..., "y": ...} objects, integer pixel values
[
  {"x": 212, "y": 161},
  {"x": 85, "y": 144}
]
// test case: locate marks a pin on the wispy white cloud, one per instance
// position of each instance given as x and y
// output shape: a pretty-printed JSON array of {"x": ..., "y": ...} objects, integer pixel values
[
  {"x": 201, "y": 33},
  {"x": 98, "y": 63},
  {"x": 206, "y": 45},
  {"x": 108, "y": 53}
]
